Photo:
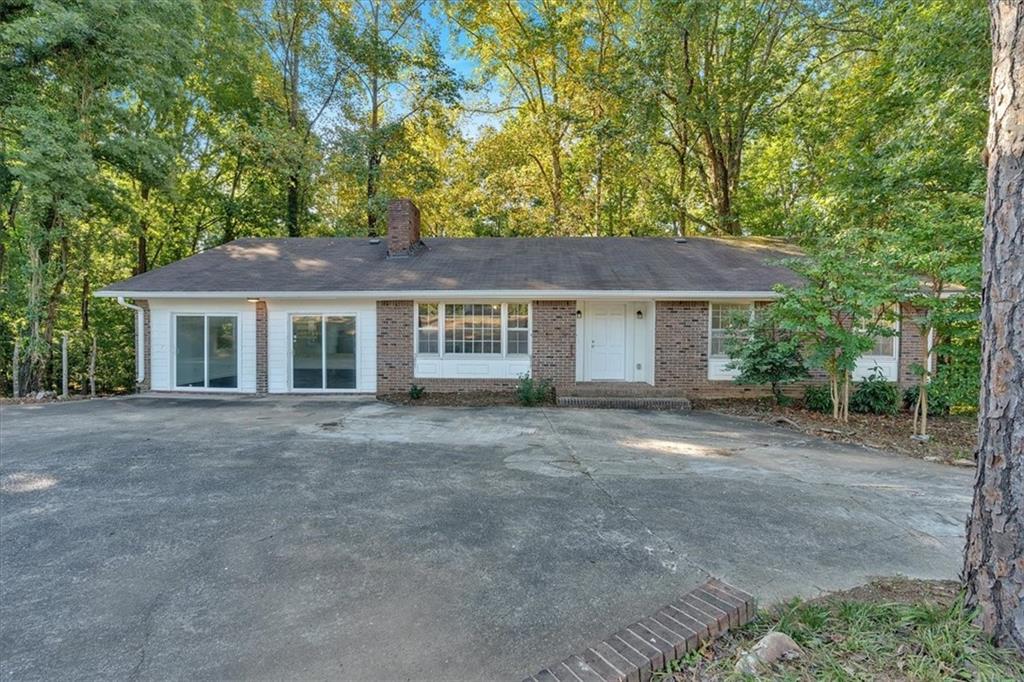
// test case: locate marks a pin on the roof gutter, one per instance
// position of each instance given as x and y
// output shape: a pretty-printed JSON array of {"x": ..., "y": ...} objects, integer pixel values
[
  {"x": 140, "y": 340},
  {"x": 485, "y": 294}
]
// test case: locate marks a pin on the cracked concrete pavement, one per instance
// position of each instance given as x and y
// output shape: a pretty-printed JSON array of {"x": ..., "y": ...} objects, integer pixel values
[{"x": 304, "y": 538}]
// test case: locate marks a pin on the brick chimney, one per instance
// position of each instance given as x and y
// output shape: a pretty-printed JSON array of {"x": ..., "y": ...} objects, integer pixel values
[{"x": 403, "y": 228}]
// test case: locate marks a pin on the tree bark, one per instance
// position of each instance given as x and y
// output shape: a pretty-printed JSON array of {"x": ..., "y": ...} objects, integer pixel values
[{"x": 994, "y": 556}]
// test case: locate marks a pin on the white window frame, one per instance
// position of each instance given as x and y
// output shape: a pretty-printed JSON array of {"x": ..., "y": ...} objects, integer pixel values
[
  {"x": 888, "y": 363},
  {"x": 717, "y": 370},
  {"x": 206, "y": 353},
  {"x": 323, "y": 351},
  {"x": 441, "y": 319}
]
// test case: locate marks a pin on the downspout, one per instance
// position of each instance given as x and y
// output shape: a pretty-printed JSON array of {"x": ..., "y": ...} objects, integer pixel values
[{"x": 140, "y": 330}]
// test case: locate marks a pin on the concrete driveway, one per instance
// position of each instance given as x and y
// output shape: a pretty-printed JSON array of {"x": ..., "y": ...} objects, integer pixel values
[{"x": 153, "y": 538}]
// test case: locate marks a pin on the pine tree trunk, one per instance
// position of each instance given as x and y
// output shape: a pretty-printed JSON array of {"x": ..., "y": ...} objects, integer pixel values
[{"x": 994, "y": 557}]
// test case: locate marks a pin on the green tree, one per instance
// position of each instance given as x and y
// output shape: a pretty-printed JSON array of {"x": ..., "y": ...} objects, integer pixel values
[{"x": 846, "y": 302}]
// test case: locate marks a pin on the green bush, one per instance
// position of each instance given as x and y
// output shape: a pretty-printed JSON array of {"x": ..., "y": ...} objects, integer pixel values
[
  {"x": 818, "y": 398},
  {"x": 530, "y": 391},
  {"x": 875, "y": 395},
  {"x": 416, "y": 392},
  {"x": 765, "y": 354},
  {"x": 938, "y": 403}
]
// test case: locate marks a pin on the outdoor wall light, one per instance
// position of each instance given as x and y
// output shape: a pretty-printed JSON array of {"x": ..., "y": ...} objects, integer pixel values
[
  {"x": 639, "y": 314},
  {"x": 579, "y": 314}
]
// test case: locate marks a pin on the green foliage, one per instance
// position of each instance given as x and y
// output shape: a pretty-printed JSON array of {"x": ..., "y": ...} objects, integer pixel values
[
  {"x": 764, "y": 354},
  {"x": 137, "y": 132},
  {"x": 818, "y": 399},
  {"x": 416, "y": 392},
  {"x": 875, "y": 395},
  {"x": 531, "y": 392},
  {"x": 938, "y": 402}
]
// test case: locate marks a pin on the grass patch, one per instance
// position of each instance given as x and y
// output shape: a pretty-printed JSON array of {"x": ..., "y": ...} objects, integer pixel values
[{"x": 894, "y": 629}]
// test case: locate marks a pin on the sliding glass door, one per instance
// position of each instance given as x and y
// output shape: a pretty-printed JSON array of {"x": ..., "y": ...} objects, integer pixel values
[
  {"x": 206, "y": 351},
  {"x": 323, "y": 352}
]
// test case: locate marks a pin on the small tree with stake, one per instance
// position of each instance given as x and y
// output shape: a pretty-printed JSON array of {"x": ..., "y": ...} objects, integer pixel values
[{"x": 765, "y": 354}]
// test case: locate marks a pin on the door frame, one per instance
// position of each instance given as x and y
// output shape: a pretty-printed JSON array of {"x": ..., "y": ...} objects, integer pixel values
[
  {"x": 588, "y": 322},
  {"x": 291, "y": 315}
]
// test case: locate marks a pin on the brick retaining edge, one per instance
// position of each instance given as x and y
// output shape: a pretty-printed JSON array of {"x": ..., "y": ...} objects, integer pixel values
[{"x": 647, "y": 646}]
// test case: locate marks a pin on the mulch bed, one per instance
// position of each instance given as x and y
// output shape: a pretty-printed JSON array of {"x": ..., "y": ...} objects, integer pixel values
[{"x": 953, "y": 437}]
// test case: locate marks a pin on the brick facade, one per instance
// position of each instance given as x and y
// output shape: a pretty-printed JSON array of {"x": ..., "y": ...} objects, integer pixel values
[
  {"x": 913, "y": 345},
  {"x": 147, "y": 364},
  {"x": 261, "y": 346},
  {"x": 680, "y": 352},
  {"x": 395, "y": 357},
  {"x": 554, "y": 342}
]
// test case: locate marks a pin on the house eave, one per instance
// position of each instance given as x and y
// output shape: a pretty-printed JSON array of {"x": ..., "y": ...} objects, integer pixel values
[{"x": 488, "y": 294}]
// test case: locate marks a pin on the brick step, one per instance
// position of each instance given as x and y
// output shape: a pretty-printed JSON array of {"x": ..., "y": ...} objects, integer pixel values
[
  {"x": 646, "y": 647},
  {"x": 625, "y": 402}
]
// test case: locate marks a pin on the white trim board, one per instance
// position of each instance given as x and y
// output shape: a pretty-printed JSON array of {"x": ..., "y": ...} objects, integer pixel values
[{"x": 460, "y": 294}]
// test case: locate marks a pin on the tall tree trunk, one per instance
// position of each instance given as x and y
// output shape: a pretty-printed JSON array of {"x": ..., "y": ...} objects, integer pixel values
[
  {"x": 292, "y": 217},
  {"x": 142, "y": 255},
  {"x": 994, "y": 556}
]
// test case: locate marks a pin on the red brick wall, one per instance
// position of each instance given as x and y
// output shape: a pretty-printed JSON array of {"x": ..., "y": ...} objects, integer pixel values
[
  {"x": 261, "y": 346},
  {"x": 395, "y": 356},
  {"x": 553, "y": 338},
  {"x": 554, "y": 342},
  {"x": 681, "y": 355},
  {"x": 680, "y": 343},
  {"x": 147, "y": 364},
  {"x": 913, "y": 345}
]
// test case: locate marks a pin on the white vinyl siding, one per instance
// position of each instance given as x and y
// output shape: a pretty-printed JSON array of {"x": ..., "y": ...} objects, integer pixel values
[
  {"x": 279, "y": 340},
  {"x": 162, "y": 313}
]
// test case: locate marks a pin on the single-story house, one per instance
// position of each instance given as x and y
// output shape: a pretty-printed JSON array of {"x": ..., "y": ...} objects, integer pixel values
[{"x": 358, "y": 315}]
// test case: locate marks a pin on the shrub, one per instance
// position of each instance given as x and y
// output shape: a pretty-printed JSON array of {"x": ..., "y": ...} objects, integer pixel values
[
  {"x": 416, "y": 392},
  {"x": 938, "y": 403},
  {"x": 530, "y": 391},
  {"x": 764, "y": 354},
  {"x": 818, "y": 399},
  {"x": 875, "y": 395}
]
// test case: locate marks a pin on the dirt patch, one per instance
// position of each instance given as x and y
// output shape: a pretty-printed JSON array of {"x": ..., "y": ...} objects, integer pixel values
[
  {"x": 953, "y": 437},
  {"x": 468, "y": 399}
]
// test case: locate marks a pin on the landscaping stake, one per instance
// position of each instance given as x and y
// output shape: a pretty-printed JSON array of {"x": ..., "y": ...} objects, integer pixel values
[
  {"x": 64, "y": 365},
  {"x": 92, "y": 368},
  {"x": 15, "y": 384}
]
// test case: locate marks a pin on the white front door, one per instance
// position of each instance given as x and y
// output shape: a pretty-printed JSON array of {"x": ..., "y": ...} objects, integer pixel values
[{"x": 606, "y": 341}]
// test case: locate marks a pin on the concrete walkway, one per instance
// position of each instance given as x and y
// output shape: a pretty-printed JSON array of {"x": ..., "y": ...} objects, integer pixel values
[{"x": 154, "y": 538}]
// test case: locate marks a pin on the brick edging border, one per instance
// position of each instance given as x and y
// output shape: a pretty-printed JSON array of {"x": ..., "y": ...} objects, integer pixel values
[{"x": 647, "y": 646}]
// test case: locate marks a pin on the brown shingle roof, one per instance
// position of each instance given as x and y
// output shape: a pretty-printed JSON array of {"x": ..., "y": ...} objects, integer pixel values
[{"x": 484, "y": 264}]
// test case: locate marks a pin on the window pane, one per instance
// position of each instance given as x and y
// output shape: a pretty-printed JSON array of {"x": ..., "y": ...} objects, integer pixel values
[
  {"x": 726, "y": 320},
  {"x": 188, "y": 350},
  {"x": 428, "y": 341},
  {"x": 518, "y": 315},
  {"x": 518, "y": 342},
  {"x": 340, "y": 350},
  {"x": 428, "y": 316},
  {"x": 307, "y": 362},
  {"x": 472, "y": 328},
  {"x": 222, "y": 354},
  {"x": 883, "y": 346}
]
